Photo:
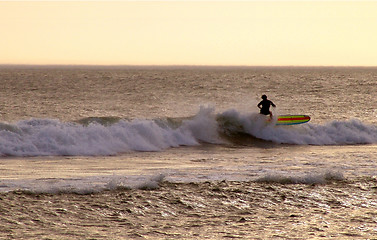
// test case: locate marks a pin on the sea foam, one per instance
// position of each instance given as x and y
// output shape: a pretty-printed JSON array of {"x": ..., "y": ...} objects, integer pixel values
[
  {"x": 49, "y": 137},
  {"x": 38, "y": 137}
]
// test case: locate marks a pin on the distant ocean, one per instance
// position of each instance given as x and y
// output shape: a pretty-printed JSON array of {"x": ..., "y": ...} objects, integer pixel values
[{"x": 182, "y": 152}]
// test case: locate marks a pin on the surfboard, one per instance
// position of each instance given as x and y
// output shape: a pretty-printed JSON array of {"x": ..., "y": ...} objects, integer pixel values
[{"x": 292, "y": 119}]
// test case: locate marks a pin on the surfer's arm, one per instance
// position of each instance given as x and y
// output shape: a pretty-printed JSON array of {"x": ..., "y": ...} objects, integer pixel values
[
  {"x": 272, "y": 104},
  {"x": 259, "y": 105}
]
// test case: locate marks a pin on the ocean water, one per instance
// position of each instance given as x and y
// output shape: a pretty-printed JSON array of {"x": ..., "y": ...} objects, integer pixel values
[{"x": 182, "y": 152}]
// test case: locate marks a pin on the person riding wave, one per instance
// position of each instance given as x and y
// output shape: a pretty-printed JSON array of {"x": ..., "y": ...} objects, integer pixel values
[{"x": 264, "y": 106}]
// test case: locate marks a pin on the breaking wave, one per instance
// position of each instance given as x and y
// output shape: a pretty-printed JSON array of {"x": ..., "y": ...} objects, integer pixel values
[
  {"x": 322, "y": 178},
  {"x": 111, "y": 136},
  {"x": 349, "y": 132}
]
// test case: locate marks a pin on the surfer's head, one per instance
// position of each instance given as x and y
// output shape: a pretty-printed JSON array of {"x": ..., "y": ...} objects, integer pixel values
[{"x": 264, "y": 96}]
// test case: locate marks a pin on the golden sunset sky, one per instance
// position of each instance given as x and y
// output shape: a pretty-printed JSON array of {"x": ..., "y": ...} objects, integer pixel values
[{"x": 320, "y": 33}]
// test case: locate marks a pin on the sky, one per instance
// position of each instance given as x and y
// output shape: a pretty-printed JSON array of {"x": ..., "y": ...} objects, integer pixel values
[{"x": 252, "y": 33}]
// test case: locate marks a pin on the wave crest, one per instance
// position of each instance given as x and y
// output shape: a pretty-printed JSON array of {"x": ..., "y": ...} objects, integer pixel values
[{"x": 110, "y": 136}]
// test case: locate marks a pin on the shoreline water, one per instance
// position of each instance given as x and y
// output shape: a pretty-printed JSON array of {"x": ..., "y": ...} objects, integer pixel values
[
  {"x": 211, "y": 210},
  {"x": 279, "y": 164}
]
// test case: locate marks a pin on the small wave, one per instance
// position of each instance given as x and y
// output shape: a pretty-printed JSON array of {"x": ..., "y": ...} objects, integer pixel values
[
  {"x": 86, "y": 185},
  {"x": 146, "y": 184},
  {"x": 95, "y": 184},
  {"x": 321, "y": 178}
]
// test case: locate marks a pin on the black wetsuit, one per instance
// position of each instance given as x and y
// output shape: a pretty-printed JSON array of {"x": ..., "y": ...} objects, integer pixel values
[{"x": 266, "y": 106}]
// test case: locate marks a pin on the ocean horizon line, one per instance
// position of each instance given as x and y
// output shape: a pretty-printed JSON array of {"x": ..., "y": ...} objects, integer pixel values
[{"x": 172, "y": 66}]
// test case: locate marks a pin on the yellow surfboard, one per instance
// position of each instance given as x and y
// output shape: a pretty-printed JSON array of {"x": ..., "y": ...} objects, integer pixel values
[{"x": 292, "y": 119}]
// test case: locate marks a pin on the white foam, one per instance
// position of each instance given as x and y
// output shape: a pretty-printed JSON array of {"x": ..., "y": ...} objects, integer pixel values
[
  {"x": 84, "y": 185},
  {"x": 204, "y": 126},
  {"x": 332, "y": 133},
  {"x": 38, "y": 137}
]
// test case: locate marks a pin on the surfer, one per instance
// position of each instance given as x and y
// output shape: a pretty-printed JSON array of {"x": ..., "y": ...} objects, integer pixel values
[{"x": 264, "y": 106}]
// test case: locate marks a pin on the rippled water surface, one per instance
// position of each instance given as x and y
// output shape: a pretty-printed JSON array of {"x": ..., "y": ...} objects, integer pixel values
[{"x": 181, "y": 152}]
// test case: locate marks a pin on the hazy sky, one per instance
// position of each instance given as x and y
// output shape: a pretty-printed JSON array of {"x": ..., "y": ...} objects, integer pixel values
[{"x": 189, "y": 33}]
